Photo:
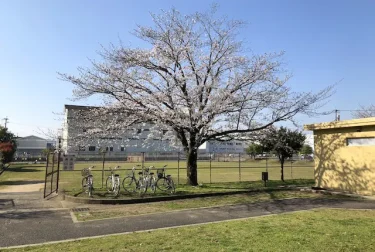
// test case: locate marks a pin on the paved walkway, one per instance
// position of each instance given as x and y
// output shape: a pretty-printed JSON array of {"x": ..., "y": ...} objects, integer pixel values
[{"x": 19, "y": 225}]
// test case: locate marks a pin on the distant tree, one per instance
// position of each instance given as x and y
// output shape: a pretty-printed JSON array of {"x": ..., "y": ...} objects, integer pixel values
[
  {"x": 254, "y": 149},
  {"x": 8, "y": 145},
  {"x": 364, "y": 112},
  {"x": 306, "y": 150},
  {"x": 284, "y": 142},
  {"x": 45, "y": 152}
]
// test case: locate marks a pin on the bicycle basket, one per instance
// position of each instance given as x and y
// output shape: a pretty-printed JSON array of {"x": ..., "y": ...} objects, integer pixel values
[
  {"x": 160, "y": 173},
  {"x": 85, "y": 172}
]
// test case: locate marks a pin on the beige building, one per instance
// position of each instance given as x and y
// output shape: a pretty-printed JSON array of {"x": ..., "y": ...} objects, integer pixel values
[{"x": 345, "y": 155}]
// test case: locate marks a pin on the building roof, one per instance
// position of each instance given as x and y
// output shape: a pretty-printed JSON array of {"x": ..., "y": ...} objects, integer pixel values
[
  {"x": 31, "y": 137},
  {"x": 370, "y": 121},
  {"x": 67, "y": 106}
]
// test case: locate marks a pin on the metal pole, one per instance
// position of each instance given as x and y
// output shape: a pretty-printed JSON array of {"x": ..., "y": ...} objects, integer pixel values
[
  {"x": 45, "y": 178},
  {"x": 143, "y": 162},
  {"x": 58, "y": 166},
  {"x": 210, "y": 167},
  {"x": 53, "y": 164},
  {"x": 103, "y": 169},
  {"x": 291, "y": 168},
  {"x": 239, "y": 165},
  {"x": 178, "y": 168}
]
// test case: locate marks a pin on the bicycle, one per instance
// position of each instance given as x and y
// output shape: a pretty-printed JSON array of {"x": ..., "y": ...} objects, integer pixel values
[
  {"x": 87, "y": 180},
  {"x": 130, "y": 183},
  {"x": 149, "y": 180},
  {"x": 113, "y": 182},
  {"x": 165, "y": 182}
]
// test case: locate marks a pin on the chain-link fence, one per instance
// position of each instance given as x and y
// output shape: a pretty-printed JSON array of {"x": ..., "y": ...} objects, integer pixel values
[{"x": 212, "y": 168}]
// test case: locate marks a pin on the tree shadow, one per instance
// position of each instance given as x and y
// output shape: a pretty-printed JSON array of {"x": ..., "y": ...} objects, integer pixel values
[
  {"x": 21, "y": 182},
  {"x": 6, "y": 203},
  {"x": 18, "y": 215},
  {"x": 339, "y": 166}
]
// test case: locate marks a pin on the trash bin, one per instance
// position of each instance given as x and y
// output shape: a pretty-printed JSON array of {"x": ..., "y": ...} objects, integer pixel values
[{"x": 265, "y": 177}]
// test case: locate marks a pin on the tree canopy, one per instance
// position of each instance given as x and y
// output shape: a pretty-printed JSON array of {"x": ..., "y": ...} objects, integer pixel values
[
  {"x": 195, "y": 79},
  {"x": 284, "y": 142},
  {"x": 364, "y": 112},
  {"x": 306, "y": 150},
  {"x": 254, "y": 149},
  {"x": 8, "y": 145}
]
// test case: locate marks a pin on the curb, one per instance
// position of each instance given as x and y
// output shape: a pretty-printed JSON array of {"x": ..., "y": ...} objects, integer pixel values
[
  {"x": 167, "y": 198},
  {"x": 328, "y": 192}
]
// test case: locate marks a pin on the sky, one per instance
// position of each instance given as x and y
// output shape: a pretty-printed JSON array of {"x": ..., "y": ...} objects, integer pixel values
[{"x": 325, "y": 42}]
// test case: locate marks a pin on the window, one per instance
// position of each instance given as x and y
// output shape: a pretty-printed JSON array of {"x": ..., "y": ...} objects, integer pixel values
[
  {"x": 146, "y": 130},
  {"x": 122, "y": 148},
  {"x": 230, "y": 143},
  {"x": 106, "y": 148},
  {"x": 110, "y": 148},
  {"x": 82, "y": 148},
  {"x": 139, "y": 131},
  {"x": 91, "y": 148},
  {"x": 238, "y": 143},
  {"x": 363, "y": 141}
]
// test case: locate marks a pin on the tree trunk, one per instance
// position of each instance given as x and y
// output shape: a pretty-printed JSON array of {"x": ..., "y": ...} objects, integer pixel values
[
  {"x": 282, "y": 169},
  {"x": 191, "y": 165}
]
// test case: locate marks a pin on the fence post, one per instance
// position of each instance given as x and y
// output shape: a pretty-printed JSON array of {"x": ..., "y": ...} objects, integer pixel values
[
  {"x": 58, "y": 165},
  {"x": 178, "y": 168},
  {"x": 210, "y": 166},
  {"x": 103, "y": 152},
  {"x": 291, "y": 168},
  {"x": 239, "y": 165}
]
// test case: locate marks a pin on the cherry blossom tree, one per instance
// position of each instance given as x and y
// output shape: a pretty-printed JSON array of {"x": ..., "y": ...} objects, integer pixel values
[
  {"x": 364, "y": 112},
  {"x": 195, "y": 81}
]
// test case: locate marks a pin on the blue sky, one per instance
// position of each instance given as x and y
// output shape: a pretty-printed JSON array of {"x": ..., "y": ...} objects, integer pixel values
[{"x": 324, "y": 41}]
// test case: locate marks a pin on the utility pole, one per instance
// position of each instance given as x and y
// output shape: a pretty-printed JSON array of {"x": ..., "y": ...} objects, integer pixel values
[
  {"x": 337, "y": 117},
  {"x": 5, "y": 121}
]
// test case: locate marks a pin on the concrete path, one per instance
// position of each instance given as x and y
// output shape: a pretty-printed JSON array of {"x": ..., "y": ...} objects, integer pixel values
[{"x": 20, "y": 226}]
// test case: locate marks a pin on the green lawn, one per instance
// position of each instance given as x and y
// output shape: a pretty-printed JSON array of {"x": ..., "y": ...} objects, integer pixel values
[
  {"x": 101, "y": 212},
  {"x": 20, "y": 173},
  {"x": 220, "y": 171},
  {"x": 317, "y": 230}
]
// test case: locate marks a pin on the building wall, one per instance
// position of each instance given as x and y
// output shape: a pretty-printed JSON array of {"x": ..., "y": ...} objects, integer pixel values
[
  {"x": 341, "y": 166},
  {"x": 230, "y": 147},
  {"x": 119, "y": 145},
  {"x": 130, "y": 143}
]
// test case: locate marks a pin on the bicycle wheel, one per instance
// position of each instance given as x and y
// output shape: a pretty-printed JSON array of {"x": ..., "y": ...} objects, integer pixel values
[
  {"x": 129, "y": 184},
  {"x": 143, "y": 184},
  {"x": 162, "y": 184},
  {"x": 109, "y": 184},
  {"x": 165, "y": 185},
  {"x": 90, "y": 186},
  {"x": 171, "y": 186},
  {"x": 84, "y": 184},
  {"x": 116, "y": 186},
  {"x": 153, "y": 184}
]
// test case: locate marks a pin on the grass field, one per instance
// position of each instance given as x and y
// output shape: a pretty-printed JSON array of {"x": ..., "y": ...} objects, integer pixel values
[
  {"x": 219, "y": 172},
  {"x": 316, "y": 230},
  {"x": 18, "y": 174},
  {"x": 101, "y": 212}
]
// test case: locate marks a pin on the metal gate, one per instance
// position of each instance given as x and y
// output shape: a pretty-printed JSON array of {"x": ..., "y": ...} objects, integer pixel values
[{"x": 51, "y": 183}]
